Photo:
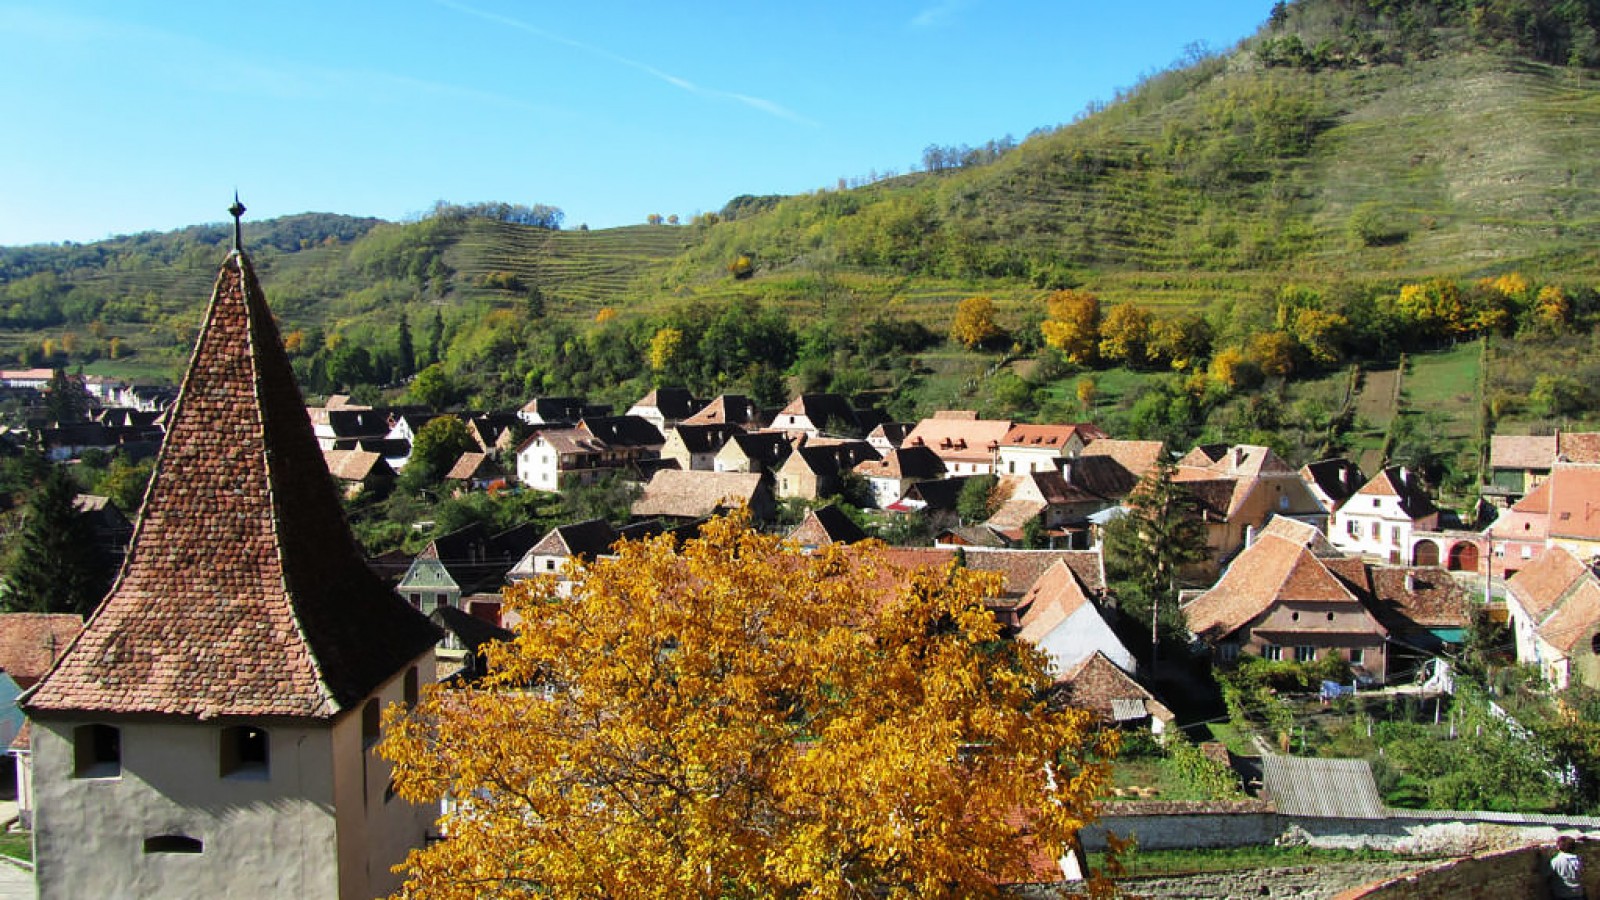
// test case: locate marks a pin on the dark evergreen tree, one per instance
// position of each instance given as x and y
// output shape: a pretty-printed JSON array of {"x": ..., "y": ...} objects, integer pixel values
[
  {"x": 65, "y": 398},
  {"x": 406, "y": 352},
  {"x": 436, "y": 338},
  {"x": 54, "y": 565},
  {"x": 1147, "y": 547}
]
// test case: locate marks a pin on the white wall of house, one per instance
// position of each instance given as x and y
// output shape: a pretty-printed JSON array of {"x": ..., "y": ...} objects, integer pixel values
[
  {"x": 298, "y": 829},
  {"x": 1375, "y": 526},
  {"x": 1078, "y": 637},
  {"x": 1017, "y": 460},
  {"x": 538, "y": 465}
]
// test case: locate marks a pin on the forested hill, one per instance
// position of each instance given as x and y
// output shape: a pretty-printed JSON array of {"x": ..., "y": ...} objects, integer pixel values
[{"x": 1356, "y": 144}]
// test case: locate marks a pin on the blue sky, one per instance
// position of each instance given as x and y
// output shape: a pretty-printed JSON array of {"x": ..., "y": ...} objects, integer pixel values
[{"x": 146, "y": 115}]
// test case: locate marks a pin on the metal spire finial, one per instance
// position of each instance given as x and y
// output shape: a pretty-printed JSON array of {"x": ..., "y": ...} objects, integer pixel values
[{"x": 237, "y": 210}]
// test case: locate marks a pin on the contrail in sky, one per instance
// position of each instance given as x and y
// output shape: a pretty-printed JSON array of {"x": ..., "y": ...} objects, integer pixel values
[{"x": 756, "y": 103}]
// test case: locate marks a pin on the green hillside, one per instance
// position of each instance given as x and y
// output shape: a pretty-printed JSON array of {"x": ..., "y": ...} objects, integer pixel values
[{"x": 1347, "y": 150}]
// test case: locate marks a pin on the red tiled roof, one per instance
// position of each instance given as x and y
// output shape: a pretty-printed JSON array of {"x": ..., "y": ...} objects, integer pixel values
[
  {"x": 1575, "y": 502},
  {"x": 1272, "y": 569},
  {"x": 1575, "y": 619},
  {"x": 1052, "y": 599},
  {"x": 31, "y": 642},
  {"x": 1537, "y": 501},
  {"x": 1540, "y": 585},
  {"x": 1578, "y": 447},
  {"x": 1522, "y": 451},
  {"x": 243, "y": 593}
]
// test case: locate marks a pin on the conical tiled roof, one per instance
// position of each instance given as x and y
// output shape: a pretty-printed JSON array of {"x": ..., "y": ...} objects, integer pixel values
[{"x": 243, "y": 593}]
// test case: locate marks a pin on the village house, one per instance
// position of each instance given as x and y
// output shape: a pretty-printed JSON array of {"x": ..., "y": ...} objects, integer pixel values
[
  {"x": 826, "y": 525},
  {"x": 824, "y": 415},
  {"x": 1378, "y": 520},
  {"x": 665, "y": 408},
  {"x": 342, "y": 428},
  {"x": 465, "y": 569},
  {"x": 210, "y": 731},
  {"x": 965, "y": 443},
  {"x": 1057, "y": 616},
  {"x": 1332, "y": 481},
  {"x": 890, "y": 476},
  {"x": 585, "y": 541},
  {"x": 1042, "y": 448},
  {"x": 730, "y": 409},
  {"x": 559, "y": 412},
  {"x": 1518, "y": 463},
  {"x": 1109, "y": 692},
  {"x": 889, "y": 436},
  {"x": 1574, "y": 521},
  {"x": 30, "y": 643},
  {"x": 1554, "y": 607},
  {"x": 1112, "y": 468},
  {"x": 695, "y": 447},
  {"x": 494, "y": 432},
  {"x": 755, "y": 451},
  {"x": 549, "y": 458},
  {"x": 817, "y": 468},
  {"x": 473, "y": 471},
  {"x": 1060, "y": 507},
  {"x": 1283, "y": 598},
  {"x": 1239, "y": 488},
  {"x": 1520, "y": 533},
  {"x": 359, "y": 471}
]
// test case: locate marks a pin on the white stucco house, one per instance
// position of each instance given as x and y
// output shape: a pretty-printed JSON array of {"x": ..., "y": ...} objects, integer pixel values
[{"x": 1378, "y": 521}]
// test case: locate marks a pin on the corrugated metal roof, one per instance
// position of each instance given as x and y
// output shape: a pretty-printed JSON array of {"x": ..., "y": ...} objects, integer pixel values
[
  {"x": 1128, "y": 709},
  {"x": 1327, "y": 788}
]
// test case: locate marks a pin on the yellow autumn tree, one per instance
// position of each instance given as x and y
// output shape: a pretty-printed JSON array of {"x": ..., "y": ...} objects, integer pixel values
[
  {"x": 1072, "y": 325},
  {"x": 1125, "y": 335},
  {"x": 974, "y": 324},
  {"x": 735, "y": 718},
  {"x": 665, "y": 348}
]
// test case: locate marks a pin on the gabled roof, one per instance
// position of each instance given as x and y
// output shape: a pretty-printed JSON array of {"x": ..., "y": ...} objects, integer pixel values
[
  {"x": 904, "y": 463},
  {"x": 1051, "y": 600},
  {"x": 1575, "y": 502},
  {"x": 1537, "y": 500},
  {"x": 826, "y": 525},
  {"x": 1099, "y": 686},
  {"x": 31, "y": 642},
  {"x": 1054, "y": 437},
  {"x": 958, "y": 434},
  {"x": 1425, "y": 595},
  {"x": 1400, "y": 482},
  {"x": 1136, "y": 458},
  {"x": 892, "y": 433},
  {"x": 821, "y": 410},
  {"x": 694, "y": 495},
  {"x": 828, "y": 458},
  {"x": 585, "y": 540},
  {"x": 1575, "y": 619},
  {"x": 1522, "y": 451},
  {"x": 768, "y": 448},
  {"x": 353, "y": 465},
  {"x": 1539, "y": 586},
  {"x": 623, "y": 431},
  {"x": 243, "y": 593},
  {"x": 1272, "y": 570},
  {"x": 728, "y": 409},
  {"x": 674, "y": 403},
  {"x": 706, "y": 438},
  {"x": 474, "y": 465},
  {"x": 1580, "y": 447},
  {"x": 1338, "y": 479}
]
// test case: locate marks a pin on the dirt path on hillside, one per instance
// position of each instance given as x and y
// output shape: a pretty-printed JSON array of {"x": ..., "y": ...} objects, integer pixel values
[{"x": 1375, "y": 405}]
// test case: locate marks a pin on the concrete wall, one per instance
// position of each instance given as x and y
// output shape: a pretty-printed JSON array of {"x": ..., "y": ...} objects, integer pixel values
[
  {"x": 264, "y": 837},
  {"x": 375, "y": 830},
  {"x": 1522, "y": 873}
]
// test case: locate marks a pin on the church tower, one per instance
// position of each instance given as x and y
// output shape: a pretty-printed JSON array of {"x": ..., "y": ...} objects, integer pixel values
[{"x": 210, "y": 732}]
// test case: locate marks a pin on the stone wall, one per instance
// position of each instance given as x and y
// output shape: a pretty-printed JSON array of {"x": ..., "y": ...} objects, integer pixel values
[{"x": 1508, "y": 873}]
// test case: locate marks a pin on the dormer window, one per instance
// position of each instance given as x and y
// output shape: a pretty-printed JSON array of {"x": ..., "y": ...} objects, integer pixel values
[
  {"x": 245, "y": 752},
  {"x": 96, "y": 751}
]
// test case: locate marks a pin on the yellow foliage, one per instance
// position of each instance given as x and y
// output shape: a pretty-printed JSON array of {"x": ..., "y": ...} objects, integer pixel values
[
  {"x": 1126, "y": 334},
  {"x": 974, "y": 323},
  {"x": 1230, "y": 369},
  {"x": 605, "y": 315},
  {"x": 1551, "y": 308},
  {"x": 665, "y": 347},
  {"x": 1072, "y": 325},
  {"x": 1321, "y": 333},
  {"x": 737, "y": 718}
]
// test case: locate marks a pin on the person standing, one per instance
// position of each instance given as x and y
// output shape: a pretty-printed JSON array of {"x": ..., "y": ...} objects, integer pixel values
[{"x": 1566, "y": 871}]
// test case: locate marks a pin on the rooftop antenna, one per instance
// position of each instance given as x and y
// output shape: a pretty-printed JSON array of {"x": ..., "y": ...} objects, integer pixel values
[{"x": 237, "y": 210}]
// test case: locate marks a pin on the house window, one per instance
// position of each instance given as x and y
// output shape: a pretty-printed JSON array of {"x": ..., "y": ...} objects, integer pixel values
[
  {"x": 173, "y": 843},
  {"x": 1352, "y": 527},
  {"x": 1283, "y": 502},
  {"x": 371, "y": 719},
  {"x": 413, "y": 688},
  {"x": 1377, "y": 531},
  {"x": 1229, "y": 651},
  {"x": 96, "y": 751},
  {"x": 1594, "y": 645},
  {"x": 416, "y": 600},
  {"x": 1272, "y": 652},
  {"x": 1527, "y": 551},
  {"x": 1304, "y": 653},
  {"x": 1358, "y": 656},
  {"x": 245, "y": 750},
  {"x": 1374, "y": 502},
  {"x": 549, "y": 565}
]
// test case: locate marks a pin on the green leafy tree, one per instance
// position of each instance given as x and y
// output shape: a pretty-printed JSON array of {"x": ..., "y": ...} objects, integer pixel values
[
  {"x": 125, "y": 482},
  {"x": 65, "y": 399},
  {"x": 405, "y": 350},
  {"x": 55, "y": 566},
  {"x": 976, "y": 502},
  {"x": 433, "y": 388},
  {"x": 436, "y": 447}
]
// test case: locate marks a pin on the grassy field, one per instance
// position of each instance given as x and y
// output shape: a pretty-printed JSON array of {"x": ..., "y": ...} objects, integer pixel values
[
  {"x": 1228, "y": 859},
  {"x": 17, "y": 845}
]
